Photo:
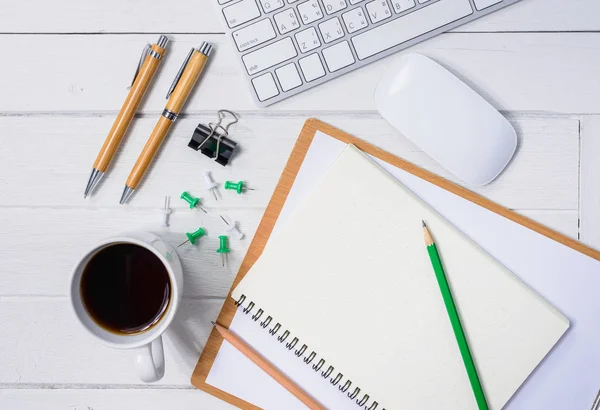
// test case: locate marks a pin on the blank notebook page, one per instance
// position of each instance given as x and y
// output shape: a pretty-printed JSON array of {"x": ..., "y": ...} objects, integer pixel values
[{"x": 349, "y": 276}]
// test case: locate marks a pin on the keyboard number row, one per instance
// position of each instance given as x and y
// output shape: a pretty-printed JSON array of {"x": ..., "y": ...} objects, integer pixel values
[{"x": 310, "y": 11}]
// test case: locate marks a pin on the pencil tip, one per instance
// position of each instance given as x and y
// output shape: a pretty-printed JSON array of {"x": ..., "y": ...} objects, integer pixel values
[
  {"x": 423, "y": 222},
  {"x": 213, "y": 323}
]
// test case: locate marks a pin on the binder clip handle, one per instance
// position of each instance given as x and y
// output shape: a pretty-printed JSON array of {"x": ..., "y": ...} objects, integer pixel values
[
  {"x": 221, "y": 115},
  {"x": 212, "y": 140}
]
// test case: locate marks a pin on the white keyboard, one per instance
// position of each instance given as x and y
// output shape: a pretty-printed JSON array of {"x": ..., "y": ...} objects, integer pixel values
[{"x": 288, "y": 46}]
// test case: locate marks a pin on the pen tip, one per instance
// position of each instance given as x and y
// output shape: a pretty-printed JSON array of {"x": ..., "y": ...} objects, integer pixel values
[
  {"x": 127, "y": 192},
  {"x": 95, "y": 178}
]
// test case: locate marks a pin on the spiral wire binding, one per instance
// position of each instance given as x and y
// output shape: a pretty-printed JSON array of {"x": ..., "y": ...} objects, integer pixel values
[{"x": 345, "y": 387}]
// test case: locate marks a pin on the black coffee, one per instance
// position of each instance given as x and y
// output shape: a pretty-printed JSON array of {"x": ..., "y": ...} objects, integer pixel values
[{"x": 125, "y": 288}]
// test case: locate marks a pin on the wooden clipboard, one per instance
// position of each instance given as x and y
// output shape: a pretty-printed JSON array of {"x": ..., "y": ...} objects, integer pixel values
[{"x": 311, "y": 126}]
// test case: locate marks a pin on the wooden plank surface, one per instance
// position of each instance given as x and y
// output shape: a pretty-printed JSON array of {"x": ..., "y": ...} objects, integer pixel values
[
  {"x": 45, "y": 345},
  {"x": 64, "y": 76},
  {"x": 61, "y": 398},
  {"x": 194, "y": 16},
  {"x": 590, "y": 181},
  {"x": 543, "y": 174},
  {"x": 91, "y": 73}
]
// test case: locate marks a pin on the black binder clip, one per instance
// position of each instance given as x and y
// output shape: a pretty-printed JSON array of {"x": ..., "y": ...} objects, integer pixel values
[{"x": 213, "y": 141}]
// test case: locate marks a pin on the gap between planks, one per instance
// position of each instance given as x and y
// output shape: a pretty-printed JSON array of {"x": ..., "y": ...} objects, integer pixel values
[
  {"x": 88, "y": 386},
  {"x": 277, "y": 114}
]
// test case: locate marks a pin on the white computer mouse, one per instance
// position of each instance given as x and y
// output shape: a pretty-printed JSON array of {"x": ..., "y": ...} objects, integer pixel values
[{"x": 446, "y": 119}]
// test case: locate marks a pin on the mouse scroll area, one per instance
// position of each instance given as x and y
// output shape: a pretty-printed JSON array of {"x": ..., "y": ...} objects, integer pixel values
[{"x": 446, "y": 119}]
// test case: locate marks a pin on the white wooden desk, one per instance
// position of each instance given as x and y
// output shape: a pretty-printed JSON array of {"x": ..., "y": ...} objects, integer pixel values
[{"x": 65, "y": 66}]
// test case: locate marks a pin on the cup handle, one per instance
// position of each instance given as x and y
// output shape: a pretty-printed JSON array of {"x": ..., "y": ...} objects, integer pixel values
[{"x": 150, "y": 361}]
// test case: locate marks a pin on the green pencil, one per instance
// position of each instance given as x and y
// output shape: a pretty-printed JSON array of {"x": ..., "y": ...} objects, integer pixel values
[{"x": 459, "y": 333}]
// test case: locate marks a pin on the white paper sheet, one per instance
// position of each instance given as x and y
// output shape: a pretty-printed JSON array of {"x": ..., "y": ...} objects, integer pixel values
[{"x": 567, "y": 278}]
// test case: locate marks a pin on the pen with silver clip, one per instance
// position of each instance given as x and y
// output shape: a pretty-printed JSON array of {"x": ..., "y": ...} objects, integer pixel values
[
  {"x": 177, "y": 96},
  {"x": 147, "y": 67}
]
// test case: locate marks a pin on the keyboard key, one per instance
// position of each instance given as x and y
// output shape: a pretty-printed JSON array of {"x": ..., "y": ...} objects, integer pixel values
[
  {"x": 423, "y": 1},
  {"x": 240, "y": 13},
  {"x": 308, "y": 40},
  {"x": 331, "y": 6},
  {"x": 265, "y": 87},
  {"x": 311, "y": 67},
  {"x": 292, "y": 1},
  {"x": 338, "y": 56},
  {"x": 310, "y": 11},
  {"x": 268, "y": 56},
  {"x": 331, "y": 30},
  {"x": 484, "y": 4},
  {"x": 271, "y": 5},
  {"x": 288, "y": 77},
  {"x": 354, "y": 20},
  {"x": 402, "y": 5},
  {"x": 254, "y": 35},
  {"x": 355, "y": 1},
  {"x": 407, "y": 27},
  {"x": 378, "y": 10},
  {"x": 223, "y": 1},
  {"x": 286, "y": 21}
]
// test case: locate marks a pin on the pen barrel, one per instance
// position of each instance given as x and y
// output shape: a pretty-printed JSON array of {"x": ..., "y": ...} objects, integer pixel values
[
  {"x": 128, "y": 110},
  {"x": 186, "y": 83},
  {"x": 149, "y": 152}
]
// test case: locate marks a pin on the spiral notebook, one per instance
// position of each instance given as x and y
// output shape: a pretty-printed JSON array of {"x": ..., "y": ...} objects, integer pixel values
[{"x": 344, "y": 300}]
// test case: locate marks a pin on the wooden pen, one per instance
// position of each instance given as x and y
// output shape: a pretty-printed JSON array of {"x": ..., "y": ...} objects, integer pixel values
[
  {"x": 268, "y": 368},
  {"x": 147, "y": 67},
  {"x": 177, "y": 96}
]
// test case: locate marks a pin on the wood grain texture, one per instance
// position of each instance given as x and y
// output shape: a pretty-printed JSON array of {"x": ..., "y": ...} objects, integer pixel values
[
  {"x": 191, "y": 73},
  {"x": 90, "y": 73},
  {"x": 128, "y": 110},
  {"x": 193, "y": 16},
  {"x": 543, "y": 175},
  {"x": 277, "y": 201},
  {"x": 40, "y": 263},
  {"x": 590, "y": 182},
  {"x": 110, "y": 399},
  {"x": 41, "y": 246},
  {"x": 153, "y": 144},
  {"x": 46, "y": 153},
  {"x": 46, "y": 345}
]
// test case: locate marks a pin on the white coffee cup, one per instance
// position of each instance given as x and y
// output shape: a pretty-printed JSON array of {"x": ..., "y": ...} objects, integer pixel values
[{"x": 147, "y": 344}]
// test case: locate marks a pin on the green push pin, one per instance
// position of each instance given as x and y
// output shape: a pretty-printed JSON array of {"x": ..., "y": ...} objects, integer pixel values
[
  {"x": 237, "y": 187},
  {"x": 191, "y": 200},
  {"x": 223, "y": 248},
  {"x": 193, "y": 236}
]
